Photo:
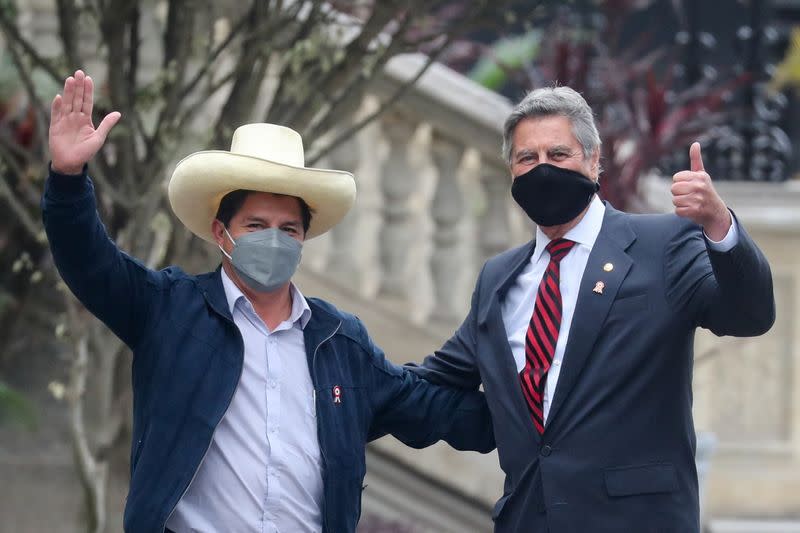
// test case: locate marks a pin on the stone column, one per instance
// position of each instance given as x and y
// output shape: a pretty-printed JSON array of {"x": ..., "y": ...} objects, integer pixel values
[
  {"x": 494, "y": 231},
  {"x": 343, "y": 264},
  {"x": 447, "y": 266},
  {"x": 398, "y": 181}
]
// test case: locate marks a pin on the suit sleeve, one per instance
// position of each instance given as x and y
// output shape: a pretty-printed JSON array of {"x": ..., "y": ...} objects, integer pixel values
[
  {"x": 454, "y": 364},
  {"x": 729, "y": 293},
  {"x": 113, "y": 286},
  {"x": 419, "y": 413}
]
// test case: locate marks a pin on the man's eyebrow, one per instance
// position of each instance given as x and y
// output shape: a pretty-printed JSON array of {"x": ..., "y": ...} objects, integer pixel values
[
  {"x": 255, "y": 218},
  {"x": 560, "y": 148},
  {"x": 523, "y": 151}
]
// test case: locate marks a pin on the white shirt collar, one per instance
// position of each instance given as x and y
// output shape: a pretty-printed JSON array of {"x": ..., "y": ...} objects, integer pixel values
[
  {"x": 584, "y": 233},
  {"x": 300, "y": 310}
]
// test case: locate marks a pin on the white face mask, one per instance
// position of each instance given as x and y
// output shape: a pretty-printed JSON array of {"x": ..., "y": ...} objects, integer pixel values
[{"x": 266, "y": 259}]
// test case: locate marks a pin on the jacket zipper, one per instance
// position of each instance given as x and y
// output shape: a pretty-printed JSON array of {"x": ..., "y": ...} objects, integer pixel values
[
  {"x": 316, "y": 399},
  {"x": 208, "y": 447}
]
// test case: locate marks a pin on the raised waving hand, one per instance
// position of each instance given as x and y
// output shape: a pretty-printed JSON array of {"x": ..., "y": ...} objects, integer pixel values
[{"x": 73, "y": 139}]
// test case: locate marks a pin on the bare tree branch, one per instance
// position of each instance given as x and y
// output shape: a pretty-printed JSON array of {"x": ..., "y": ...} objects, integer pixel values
[
  {"x": 351, "y": 64},
  {"x": 113, "y": 18},
  {"x": 250, "y": 70},
  {"x": 40, "y": 112},
  {"x": 212, "y": 57},
  {"x": 32, "y": 227},
  {"x": 93, "y": 473},
  {"x": 11, "y": 31},
  {"x": 349, "y": 96},
  {"x": 68, "y": 16},
  {"x": 355, "y": 128}
]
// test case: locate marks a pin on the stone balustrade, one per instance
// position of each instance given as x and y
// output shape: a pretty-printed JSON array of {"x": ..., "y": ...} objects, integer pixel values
[{"x": 433, "y": 200}]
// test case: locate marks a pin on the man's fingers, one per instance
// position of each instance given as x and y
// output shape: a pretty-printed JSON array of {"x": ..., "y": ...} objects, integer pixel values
[
  {"x": 69, "y": 94},
  {"x": 88, "y": 96},
  {"x": 680, "y": 188},
  {"x": 55, "y": 109},
  {"x": 108, "y": 122},
  {"x": 683, "y": 175},
  {"x": 77, "y": 101},
  {"x": 696, "y": 158}
]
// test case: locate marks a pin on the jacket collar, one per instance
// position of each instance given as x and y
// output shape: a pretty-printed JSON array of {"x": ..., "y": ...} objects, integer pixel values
[
  {"x": 213, "y": 291},
  {"x": 322, "y": 324}
]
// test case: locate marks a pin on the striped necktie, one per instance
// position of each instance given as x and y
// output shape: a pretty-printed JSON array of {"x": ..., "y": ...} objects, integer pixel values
[{"x": 542, "y": 335}]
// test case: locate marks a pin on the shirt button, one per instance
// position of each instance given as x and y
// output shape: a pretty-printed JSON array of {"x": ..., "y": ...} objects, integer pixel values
[
  {"x": 273, "y": 384},
  {"x": 545, "y": 451}
]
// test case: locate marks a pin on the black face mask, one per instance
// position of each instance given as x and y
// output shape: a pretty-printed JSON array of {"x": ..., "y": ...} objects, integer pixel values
[{"x": 552, "y": 195}]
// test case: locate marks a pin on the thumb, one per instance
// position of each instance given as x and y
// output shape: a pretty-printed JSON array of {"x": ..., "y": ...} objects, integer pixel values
[
  {"x": 107, "y": 123},
  {"x": 696, "y": 158}
]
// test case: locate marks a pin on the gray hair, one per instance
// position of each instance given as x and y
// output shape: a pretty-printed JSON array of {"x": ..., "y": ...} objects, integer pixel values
[{"x": 550, "y": 101}]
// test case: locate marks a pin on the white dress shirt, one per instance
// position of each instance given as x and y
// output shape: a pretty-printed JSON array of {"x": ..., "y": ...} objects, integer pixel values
[
  {"x": 517, "y": 307},
  {"x": 262, "y": 472}
]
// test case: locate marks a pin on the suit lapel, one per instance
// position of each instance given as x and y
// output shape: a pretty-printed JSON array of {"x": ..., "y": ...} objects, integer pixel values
[
  {"x": 592, "y": 307},
  {"x": 490, "y": 318}
]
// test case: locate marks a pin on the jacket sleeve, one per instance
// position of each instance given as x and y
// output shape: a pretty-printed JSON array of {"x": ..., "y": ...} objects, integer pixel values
[
  {"x": 419, "y": 413},
  {"x": 729, "y": 293},
  {"x": 454, "y": 363},
  {"x": 112, "y": 285}
]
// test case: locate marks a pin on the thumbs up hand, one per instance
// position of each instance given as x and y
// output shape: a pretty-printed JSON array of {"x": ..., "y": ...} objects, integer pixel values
[{"x": 695, "y": 198}]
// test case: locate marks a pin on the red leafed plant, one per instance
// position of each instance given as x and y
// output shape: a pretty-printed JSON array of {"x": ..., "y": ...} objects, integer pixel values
[{"x": 642, "y": 113}]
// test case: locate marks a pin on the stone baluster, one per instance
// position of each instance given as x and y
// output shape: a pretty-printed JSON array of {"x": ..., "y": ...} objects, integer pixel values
[
  {"x": 447, "y": 211},
  {"x": 495, "y": 229},
  {"x": 343, "y": 254},
  {"x": 398, "y": 180}
]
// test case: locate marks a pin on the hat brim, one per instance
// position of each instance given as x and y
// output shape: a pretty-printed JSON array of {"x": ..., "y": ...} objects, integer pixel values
[{"x": 201, "y": 179}]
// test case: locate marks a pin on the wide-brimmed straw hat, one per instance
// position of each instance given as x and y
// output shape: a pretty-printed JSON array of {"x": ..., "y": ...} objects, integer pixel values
[{"x": 266, "y": 158}]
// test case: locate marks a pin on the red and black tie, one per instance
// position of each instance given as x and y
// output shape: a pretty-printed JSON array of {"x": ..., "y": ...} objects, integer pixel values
[{"x": 542, "y": 335}]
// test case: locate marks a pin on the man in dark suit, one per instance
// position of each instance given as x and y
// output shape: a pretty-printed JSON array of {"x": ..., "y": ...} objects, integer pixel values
[{"x": 582, "y": 338}]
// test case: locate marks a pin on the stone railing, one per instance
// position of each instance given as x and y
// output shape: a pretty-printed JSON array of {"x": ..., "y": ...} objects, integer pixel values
[{"x": 433, "y": 197}]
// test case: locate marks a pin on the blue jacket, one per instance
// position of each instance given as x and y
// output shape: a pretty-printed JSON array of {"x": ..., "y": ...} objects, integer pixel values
[{"x": 188, "y": 360}]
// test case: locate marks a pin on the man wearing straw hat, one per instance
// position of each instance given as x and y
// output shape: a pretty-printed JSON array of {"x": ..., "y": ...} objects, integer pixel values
[{"x": 252, "y": 404}]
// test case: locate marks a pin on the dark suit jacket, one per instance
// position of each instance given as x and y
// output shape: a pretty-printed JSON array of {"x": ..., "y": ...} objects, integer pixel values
[{"x": 617, "y": 453}]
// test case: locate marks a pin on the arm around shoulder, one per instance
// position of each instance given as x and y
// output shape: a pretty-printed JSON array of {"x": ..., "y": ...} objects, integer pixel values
[
  {"x": 420, "y": 413},
  {"x": 454, "y": 363}
]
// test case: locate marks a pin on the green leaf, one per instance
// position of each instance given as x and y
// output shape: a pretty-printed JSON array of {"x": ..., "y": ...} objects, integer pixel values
[
  {"x": 14, "y": 407},
  {"x": 512, "y": 53}
]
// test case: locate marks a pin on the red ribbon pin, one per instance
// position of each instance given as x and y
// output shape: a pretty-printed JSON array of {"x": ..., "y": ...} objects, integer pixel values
[{"x": 337, "y": 394}]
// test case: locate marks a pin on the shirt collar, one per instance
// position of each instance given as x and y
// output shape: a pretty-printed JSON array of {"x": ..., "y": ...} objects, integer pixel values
[
  {"x": 585, "y": 232},
  {"x": 301, "y": 312}
]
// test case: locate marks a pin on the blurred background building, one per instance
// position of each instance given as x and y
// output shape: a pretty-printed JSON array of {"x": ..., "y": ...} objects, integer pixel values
[{"x": 433, "y": 204}]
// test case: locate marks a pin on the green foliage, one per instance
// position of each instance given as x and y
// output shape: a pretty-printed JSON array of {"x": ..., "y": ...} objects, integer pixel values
[
  {"x": 15, "y": 408},
  {"x": 511, "y": 53},
  {"x": 787, "y": 73}
]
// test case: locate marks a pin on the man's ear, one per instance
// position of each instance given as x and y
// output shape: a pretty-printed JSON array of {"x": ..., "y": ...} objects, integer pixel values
[
  {"x": 218, "y": 229},
  {"x": 596, "y": 164}
]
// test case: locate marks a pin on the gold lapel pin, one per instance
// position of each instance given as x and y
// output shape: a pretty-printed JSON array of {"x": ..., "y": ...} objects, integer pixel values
[
  {"x": 608, "y": 267},
  {"x": 598, "y": 287}
]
